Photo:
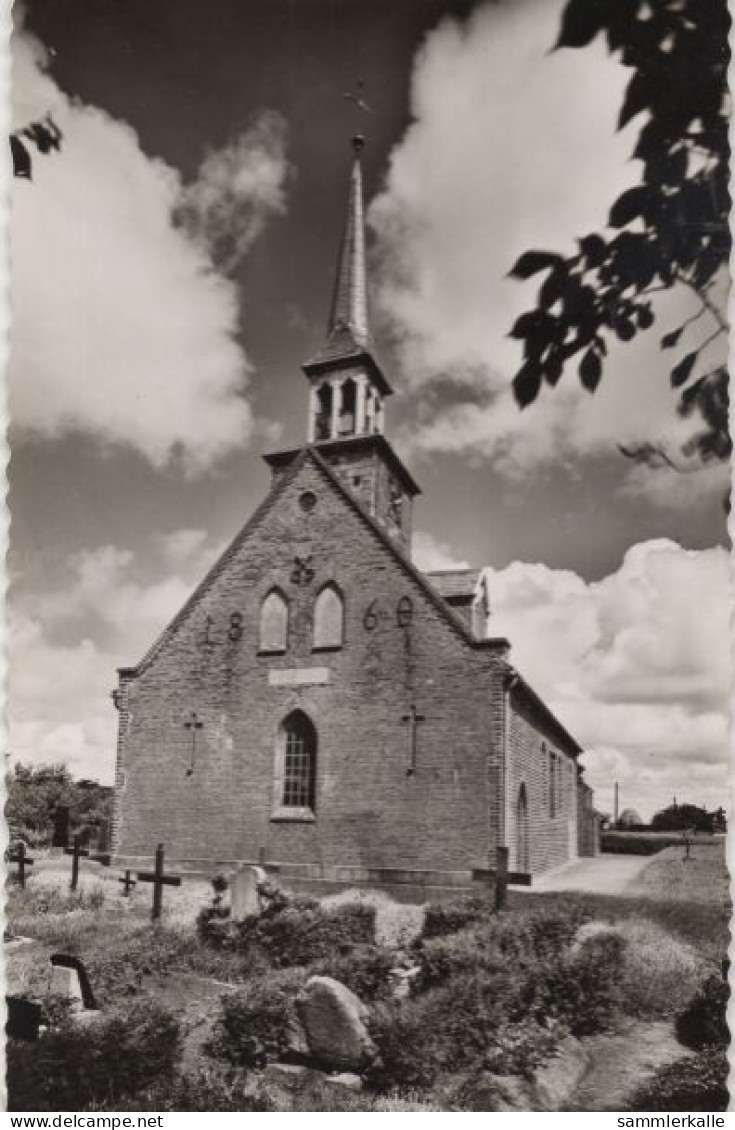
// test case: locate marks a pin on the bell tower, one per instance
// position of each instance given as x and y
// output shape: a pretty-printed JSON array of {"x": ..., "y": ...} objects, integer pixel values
[{"x": 348, "y": 389}]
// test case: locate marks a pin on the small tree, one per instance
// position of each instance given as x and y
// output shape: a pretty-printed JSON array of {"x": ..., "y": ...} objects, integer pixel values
[{"x": 678, "y": 817}]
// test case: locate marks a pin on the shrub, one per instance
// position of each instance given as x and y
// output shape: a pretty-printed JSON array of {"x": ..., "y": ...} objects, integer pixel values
[
  {"x": 696, "y": 1083},
  {"x": 704, "y": 1020},
  {"x": 257, "y": 1023},
  {"x": 444, "y": 918},
  {"x": 365, "y": 969},
  {"x": 119, "y": 969},
  {"x": 637, "y": 843},
  {"x": 291, "y": 931},
  {"x": 658, "y": 973},
  {"x": 582, "y": 989},
  {"x": 74, "y": 1064}
]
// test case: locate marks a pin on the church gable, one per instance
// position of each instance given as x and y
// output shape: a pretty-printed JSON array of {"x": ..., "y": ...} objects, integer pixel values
[{"x": 310, "y": 553}]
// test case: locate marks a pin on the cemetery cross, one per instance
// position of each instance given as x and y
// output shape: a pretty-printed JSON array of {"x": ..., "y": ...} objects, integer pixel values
[
  {"x": 75, "y": 852},
  {"x": 127, "y": 882},
  {"x": 159, "y": 880},
  {"x": 23, "y": 861}
]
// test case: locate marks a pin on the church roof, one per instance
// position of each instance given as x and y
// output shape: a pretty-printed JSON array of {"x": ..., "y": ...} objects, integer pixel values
[{"x": 454, "y": 584}]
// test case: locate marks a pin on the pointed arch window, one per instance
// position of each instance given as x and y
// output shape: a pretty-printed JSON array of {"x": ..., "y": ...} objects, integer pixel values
[
  {"x": 273, "y": 634},
  {"x": 329, "y": 619},
  {"x": 295, "y": 776}
]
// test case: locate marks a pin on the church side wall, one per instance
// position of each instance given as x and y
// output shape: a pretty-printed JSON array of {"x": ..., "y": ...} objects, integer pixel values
[
  {"x": 371, "y": 812},
  {"x": 586, "y": 821},
  {"x": 551, "y": 840}
]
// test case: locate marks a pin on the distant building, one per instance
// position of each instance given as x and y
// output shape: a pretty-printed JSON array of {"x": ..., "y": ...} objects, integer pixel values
[
  {"x": 629, "y": 818},
  {"x": 322, "y": 706}
]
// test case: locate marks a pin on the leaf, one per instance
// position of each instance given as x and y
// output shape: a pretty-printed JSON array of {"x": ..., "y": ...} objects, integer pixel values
[
  {"x": 636, "y": 98},
  {"x": 593, "y": 247},
  {"x": 21, "y": 158},
  {"x": 552, "y": 289},
  {"x": 590, "y": 370},
  {"x": 645, "y": 318},
  {"x": 624, "y": 328},
  {"x": 581, "y": 21},
  {"x": 531, "y": 262},
  {"x": 680, "y": 373},
  {"x": 531, "y": 323},
  {"x": 632, "y": 204},
  {"x": 526, "y": 384},
  {"x": 668, "y": 341}
]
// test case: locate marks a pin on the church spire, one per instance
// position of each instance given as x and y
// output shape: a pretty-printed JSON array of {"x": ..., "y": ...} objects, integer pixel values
[
  {"x": 349, "y": 313},
  {"x": 348, "y": 387}
]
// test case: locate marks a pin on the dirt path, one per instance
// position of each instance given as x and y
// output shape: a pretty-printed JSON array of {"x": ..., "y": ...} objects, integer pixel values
[
  {"x": 602, "y": 874},
  {"x": 619, "y": 1063}
]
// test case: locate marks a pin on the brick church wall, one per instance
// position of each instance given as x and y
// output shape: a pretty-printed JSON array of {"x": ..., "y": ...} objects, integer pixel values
[
  {"x": 370, "y": 812},
  {"x": 552, "y": 840},
  {"x": 588, "y": 830}
]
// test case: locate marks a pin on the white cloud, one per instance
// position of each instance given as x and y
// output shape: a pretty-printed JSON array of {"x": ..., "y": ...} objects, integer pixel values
[
  {"x": 431, "y": 553},
  {"x": 59, "y": 691},
  {"x": 122, "y": 329},
  {"x": 635, "y": 665},
  {"x": 529, "y": 157},
  {"x": 237, "y": 190}
]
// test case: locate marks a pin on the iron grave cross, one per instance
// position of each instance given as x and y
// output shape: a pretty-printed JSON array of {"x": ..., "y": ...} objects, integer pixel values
[
  {"x": 414, "y": 719},
  {"x": 193, "y": 724},
  {"x": 159, "y": 881}
]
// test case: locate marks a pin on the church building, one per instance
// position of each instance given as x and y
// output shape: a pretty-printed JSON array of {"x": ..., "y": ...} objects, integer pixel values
[{"x": 322, "y": 707}]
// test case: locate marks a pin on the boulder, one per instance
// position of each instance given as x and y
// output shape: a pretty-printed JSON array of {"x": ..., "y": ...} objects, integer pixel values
[{"x": 334, "y": 1022}]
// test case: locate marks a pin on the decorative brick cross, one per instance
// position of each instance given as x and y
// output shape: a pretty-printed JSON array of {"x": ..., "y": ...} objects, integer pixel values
[
  {"x": 415, "y": 720},
  {"x": 302, "y": 572},
  {"x": 159, "y": 881},
  {"x": 193, "y": 725},
  {"x": 76, "y": 854}
]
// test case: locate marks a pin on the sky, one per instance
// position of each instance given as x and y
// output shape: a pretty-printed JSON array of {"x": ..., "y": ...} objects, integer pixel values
[{"x": 172, "y": 269}]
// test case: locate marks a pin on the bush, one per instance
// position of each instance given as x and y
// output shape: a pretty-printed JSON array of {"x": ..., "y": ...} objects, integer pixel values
[
  {"x": 637, "y": 843},
  {"x": 257, "y": 1023},
  {"x": 291, "y": 931},
  {"x": 75, "y": 1064},
  {"x": 150, "y": 951},
  {"x": 461, "y": 1026},
  {"x": 658, "y": 973},
  {"x": 580, "y": 989},
  {"x": 704, "y": 1021},
  {"x": 695, "y": 1083},
  {"x": 366, "y": 970},
  {"x": 444, "y": 918}
]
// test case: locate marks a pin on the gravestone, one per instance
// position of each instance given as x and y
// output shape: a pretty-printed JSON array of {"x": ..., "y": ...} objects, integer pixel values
[
  {"x": 244, "y": 899},
  {"x": 103, "y": 837},
  {"x": 24, "y": 1018},
  {"x": 333, "y": 1019},
  {"x": 69, "y": 979}
]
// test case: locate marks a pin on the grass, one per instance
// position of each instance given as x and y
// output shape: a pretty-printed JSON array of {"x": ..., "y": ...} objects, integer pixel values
[
  {"x": 691, "y": 901},
  {"x": 674, "y": 921}
]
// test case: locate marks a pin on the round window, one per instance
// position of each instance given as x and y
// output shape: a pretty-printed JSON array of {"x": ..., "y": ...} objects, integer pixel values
[{"x": 307, "y": 501}]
